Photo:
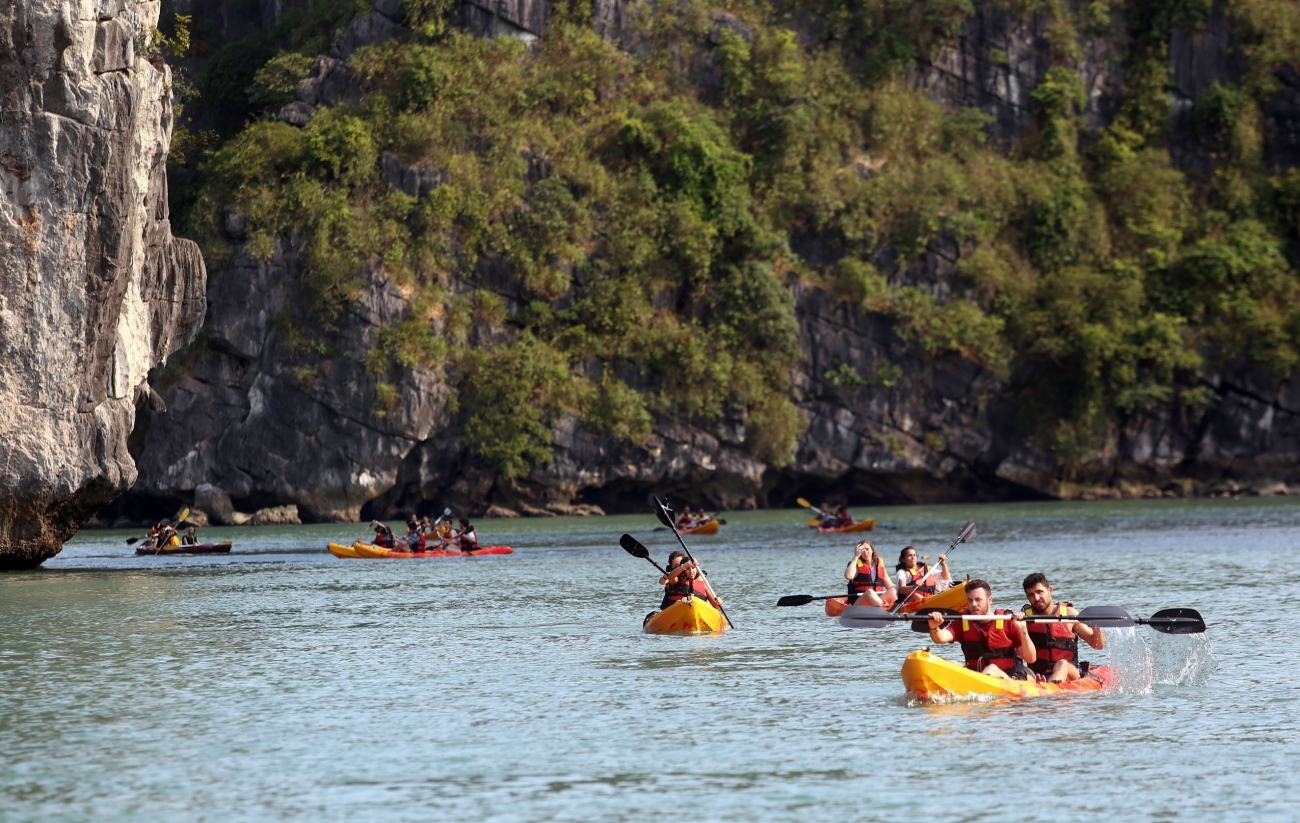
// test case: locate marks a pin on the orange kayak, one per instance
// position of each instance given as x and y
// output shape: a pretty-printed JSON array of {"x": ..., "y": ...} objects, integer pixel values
[
  {"x": 369, "y": 550},
  {"x": 856, "y": 526},
  {"x": 930, "y": 679},
  {"x": 952, "y": 598},
  {"x": 707, "y": 527}
]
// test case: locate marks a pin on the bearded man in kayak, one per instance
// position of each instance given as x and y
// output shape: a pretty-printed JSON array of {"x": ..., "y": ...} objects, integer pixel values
[
  {"x": 1057, "y": 644},
  {"x": 998, "y": 648},
  {"x": 869, "y": 581}
]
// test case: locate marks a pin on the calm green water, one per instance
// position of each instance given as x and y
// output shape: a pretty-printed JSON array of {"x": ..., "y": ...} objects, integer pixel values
[{"x": 279, "y": 682}]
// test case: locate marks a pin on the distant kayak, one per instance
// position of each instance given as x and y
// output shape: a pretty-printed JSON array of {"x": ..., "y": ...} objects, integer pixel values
[
  {"x": 360, "y": 550},
  {"x": 929, "y": 679},
  {"x": 707, "y": 527},
  {"x": 856, "y": 526},
  {"x": 952, "y": 598},
  {"x": 198, "y": 548},
  {"x": 687, "y": 617}
]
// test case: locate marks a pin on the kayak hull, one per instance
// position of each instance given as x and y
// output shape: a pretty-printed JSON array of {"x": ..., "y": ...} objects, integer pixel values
[
  {"x": 931, "y": 679},
  {"x": 372, "y": 552},
  {"x": 953, "y": 598},
  {"x": 690, "y": 616},
  {"x": 711, "y": 527},
  {"x": 340, "y": 550},
  {"x": 201, "y": 548},
  {"x": 860, "y": 526}
]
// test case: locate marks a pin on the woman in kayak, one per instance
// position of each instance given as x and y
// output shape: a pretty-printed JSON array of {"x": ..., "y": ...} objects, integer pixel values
[
  {"x": 682, "y": 580},
  {"x": 869, "y": 582},
  {"x": 466, "y": 538},
  {"x": 914, "y": 576},
  {"x": 384, "y": 537}
]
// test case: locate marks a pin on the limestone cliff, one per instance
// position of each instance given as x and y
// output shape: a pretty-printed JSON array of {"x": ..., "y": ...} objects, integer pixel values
[{"x": 94, "y": 290}]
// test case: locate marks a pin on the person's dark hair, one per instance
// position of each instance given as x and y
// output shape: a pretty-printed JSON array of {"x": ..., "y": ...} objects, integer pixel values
[
  {"x": 972, "y": 585},
  {"x": 681, "y": 555},
  {"x": 905, "y": 550},
  {"x": 464, "y": 521},
  {"x": 1034, "y": 579}
]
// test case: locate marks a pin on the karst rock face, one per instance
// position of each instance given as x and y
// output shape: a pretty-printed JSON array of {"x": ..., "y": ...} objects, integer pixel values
[{"x": 94, "y": 290}]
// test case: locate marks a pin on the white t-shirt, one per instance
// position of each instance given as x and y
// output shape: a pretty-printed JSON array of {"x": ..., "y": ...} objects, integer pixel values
[{"x": 936, "y": 579}]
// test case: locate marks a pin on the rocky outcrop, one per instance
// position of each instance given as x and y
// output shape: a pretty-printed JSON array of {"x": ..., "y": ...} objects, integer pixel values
[{"x": 94, "y": 290}]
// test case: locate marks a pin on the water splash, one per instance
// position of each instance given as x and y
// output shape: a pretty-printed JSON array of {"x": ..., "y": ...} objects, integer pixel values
[{"x": 1139, "y": 662}]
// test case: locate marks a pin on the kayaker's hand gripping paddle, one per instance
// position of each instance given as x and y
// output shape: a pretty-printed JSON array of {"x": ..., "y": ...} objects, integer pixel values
[
  {"x": 665, "y": 516},
  {"x": 967, "y": 532}
]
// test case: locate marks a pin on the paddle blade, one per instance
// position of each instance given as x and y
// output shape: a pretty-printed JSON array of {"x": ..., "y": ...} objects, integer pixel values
[
  {"x": 184, "y": 513},
  {"x": 1106, "y": 617},
  {"x": 967, "y": 532},
  {"x": 796, "y": 600},
  {"x": 131, "y": 541},
  {"x": 866, "y": 617},
  {"x": 922, "y": 626},
  {"x": 632, "y": 547},
  {"x": 662, "y": 511},
  {"x": 803, "y": 503},
  {"x": 1176, "y": 621}
]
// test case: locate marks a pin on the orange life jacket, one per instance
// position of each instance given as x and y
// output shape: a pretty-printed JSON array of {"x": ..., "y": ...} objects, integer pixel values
[
  {"x": 684, "y": 587},
  {"x": 988, "y": 642},
  {"x": 869, "y": 581},
  {"x": 1054, "y": 641},
  {"x": 915, "y": 576}
]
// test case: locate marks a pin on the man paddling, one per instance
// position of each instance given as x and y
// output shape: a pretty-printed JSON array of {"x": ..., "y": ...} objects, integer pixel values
[
  {"x": 190, "y": 538},
  {"x": 998, "y": 648},
  {"x": 1057, "y": 644}
]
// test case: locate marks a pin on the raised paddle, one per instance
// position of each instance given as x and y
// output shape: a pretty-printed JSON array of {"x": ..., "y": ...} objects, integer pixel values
[
  {"x": 1167, "y": 621},
  {"x": 665, "y": 516},
  {"x": 180, "y": 518},
  {"x": 634, "y": 548},
  {"x": 967, "y": 532}
]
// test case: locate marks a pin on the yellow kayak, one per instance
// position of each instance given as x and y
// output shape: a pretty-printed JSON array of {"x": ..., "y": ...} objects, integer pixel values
[
  {"x": 339, "y": 550},
  {"x": 953, "y": 598},
  {"x": 856, "y": 526},
  {"x": 929, "y": 678},
  {"x": 707, "y": 527},
  {"x": 687, "y": 616}
]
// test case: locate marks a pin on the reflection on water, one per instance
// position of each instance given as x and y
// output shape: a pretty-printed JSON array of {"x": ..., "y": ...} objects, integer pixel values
[{"x": 279, "y": 681}]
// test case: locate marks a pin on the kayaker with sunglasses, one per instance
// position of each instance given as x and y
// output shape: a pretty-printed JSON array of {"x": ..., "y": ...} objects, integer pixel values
[
  {"x": 998, "y": 648},
  {"x": 1057, "y": 644},
  {"x": 869, "y": 581}
]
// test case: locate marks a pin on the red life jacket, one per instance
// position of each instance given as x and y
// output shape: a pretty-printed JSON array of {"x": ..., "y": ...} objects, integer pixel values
[
  {"x": 868, "y": 581},
  {"x": 1054, "y": 641},
  {"x": 415, "y": 542},
  {"x": 684, "y": 587},
  {"x": 915, "y": 576},
  {"x": 987, "y": 643},
  {"x": 468, "y": 541},
  {"x": 385, "y": 539}
]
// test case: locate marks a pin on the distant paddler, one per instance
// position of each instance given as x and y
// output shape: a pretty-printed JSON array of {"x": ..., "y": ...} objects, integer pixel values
[
  {"x": 190, "y": 537},
  {"x": 384, "y": 537},
  {"x": 999, "y": 647},
  {"x": 918, "y": 577},
  {"x": 869, "y": 581},
  {"x": 466, "y": 537},
  {"x": 1057, "y": 644},
  {"x": 682, "y": 580}
]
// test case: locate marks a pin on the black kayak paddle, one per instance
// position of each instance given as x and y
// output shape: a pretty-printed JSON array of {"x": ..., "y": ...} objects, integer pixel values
[
  {"x": 804, "y": 599},
  {"x": 633, "y": 547}
]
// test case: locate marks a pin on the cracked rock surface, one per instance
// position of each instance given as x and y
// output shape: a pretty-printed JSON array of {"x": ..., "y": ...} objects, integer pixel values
[{"x": 94, "y": 290}]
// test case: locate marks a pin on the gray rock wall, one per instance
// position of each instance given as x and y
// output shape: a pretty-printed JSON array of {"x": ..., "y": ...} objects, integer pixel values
[{"x": 94, "y": 290}]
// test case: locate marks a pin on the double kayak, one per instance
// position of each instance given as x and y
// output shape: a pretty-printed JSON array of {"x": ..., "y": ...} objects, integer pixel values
[
  {"x": 707, "y": 527},
  {"x": 693, "y": 614},
  {"x": 195, "y": 548},
  {"x": 360, "y": 550},
  {"x": 930, "y": 679},
  {"x": 856, "y": 526},
  {"x": 952, "y": 598}
]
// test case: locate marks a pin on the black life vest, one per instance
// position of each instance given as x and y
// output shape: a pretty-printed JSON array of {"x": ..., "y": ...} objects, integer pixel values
[
  {"x": 987, "y": 643},
  {"x": 1054, "y": 641},
  {"x": 684, "y": 587},
  {"x": 915, "y": 576},
  {"x": 868, "y": 581}
]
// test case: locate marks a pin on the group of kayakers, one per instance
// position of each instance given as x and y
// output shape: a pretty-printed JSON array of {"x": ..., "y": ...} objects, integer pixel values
[
  {"x": 689, "y": 520},
  {"x": 426, "y": 535},
  {"x": 871, "y": 585},
  {"x": 836, "y": 518}
]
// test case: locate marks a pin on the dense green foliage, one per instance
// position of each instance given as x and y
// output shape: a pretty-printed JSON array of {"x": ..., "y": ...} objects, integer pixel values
[{"x": 648, "y": 219}]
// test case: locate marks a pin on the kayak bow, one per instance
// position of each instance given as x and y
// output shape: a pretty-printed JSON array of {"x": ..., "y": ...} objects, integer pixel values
[
  {"x": 952, "y": 598},
  {"x": 689, "y": 616},
  {"x": 930, "y": 679}
]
